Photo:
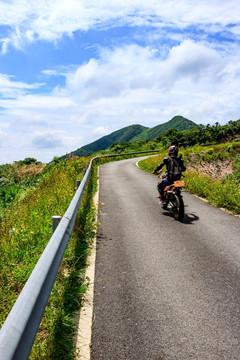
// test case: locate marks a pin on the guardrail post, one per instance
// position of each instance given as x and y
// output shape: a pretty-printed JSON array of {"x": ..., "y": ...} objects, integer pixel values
[
  {"x": 84, "y": 171},
  {"x": 78, "y": 182},
  {"x": 55, "y": 221}
]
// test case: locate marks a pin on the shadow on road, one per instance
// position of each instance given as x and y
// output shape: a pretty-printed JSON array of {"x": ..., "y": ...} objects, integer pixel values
[{"x": 188, "y": 219}]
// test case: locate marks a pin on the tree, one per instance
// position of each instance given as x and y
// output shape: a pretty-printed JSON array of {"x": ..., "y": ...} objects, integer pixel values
[{"x": 27, "y": 161}]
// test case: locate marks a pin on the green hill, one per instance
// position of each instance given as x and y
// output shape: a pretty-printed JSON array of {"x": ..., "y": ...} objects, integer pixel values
[
  {"x": 133, "y": 133},
  {"x": 177, "y": 122},
  {"x": 123, "y": 135}
]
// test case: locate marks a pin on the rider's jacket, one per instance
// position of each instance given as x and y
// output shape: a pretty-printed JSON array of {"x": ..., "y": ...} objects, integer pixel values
[{"x": 168, "y": 163}]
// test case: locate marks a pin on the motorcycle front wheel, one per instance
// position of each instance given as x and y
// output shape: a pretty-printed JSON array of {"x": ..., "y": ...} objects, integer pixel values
[{"x": 177, "y": 205}]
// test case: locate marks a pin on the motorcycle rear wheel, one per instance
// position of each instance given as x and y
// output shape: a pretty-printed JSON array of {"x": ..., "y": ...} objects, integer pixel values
[{"x": 177, "y": 205}]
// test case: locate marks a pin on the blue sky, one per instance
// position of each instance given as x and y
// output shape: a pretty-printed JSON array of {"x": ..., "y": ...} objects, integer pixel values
[{"x": 73, "y": 71}]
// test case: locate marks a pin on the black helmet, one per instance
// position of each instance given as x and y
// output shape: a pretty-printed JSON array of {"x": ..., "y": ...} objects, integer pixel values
[{"x": 173, "y": 150}]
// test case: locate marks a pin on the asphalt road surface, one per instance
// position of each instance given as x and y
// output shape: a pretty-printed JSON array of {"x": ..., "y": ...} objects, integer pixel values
[{"x": 164, "y": 290}]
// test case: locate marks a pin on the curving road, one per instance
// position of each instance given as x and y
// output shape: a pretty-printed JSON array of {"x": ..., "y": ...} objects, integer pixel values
[{"x": 164, "y": 290}]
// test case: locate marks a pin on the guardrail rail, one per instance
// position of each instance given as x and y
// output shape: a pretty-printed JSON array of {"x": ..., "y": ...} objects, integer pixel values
[{"x": 20, "y": 328}]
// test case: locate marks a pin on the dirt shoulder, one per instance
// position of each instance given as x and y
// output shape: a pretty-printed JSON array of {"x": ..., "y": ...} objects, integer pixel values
[{"x": 216, "y": 169}]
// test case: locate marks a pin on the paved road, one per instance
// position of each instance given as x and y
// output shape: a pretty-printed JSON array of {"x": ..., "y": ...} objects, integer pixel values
[{"x": 164, "y": 290}]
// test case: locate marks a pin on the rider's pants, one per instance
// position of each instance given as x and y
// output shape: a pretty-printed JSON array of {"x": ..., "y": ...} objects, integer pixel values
[{"x": 161, "y": 186}]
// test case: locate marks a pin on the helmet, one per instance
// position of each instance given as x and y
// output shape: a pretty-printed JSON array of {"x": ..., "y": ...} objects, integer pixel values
[{"x": 173, "y": 150}]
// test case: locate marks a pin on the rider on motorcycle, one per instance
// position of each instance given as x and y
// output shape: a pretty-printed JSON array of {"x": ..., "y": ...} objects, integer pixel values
[{"x": 174, "y": 167}]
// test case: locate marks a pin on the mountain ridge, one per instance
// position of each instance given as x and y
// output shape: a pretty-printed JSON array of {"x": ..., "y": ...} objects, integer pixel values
[
  {"x": 133, "y": 133},
  {"x": 178, "y": 122}
]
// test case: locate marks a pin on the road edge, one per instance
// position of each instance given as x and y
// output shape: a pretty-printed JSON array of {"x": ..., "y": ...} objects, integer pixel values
[{"x": 84, "y": 333}]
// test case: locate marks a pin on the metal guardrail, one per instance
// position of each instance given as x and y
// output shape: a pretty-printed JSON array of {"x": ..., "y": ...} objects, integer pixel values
[{"x": 20, "y": 328}]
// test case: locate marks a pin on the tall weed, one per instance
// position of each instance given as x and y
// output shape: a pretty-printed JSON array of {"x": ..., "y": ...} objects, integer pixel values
[{"x": 25, "y": 229}]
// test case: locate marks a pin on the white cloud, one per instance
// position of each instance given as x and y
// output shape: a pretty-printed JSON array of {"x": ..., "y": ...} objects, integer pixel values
[
  {"x": 34, "y": 102},
  {"x": 3, "y": 136},
  {"x": 192, "y": 62},
  {"x": 51, "y": 19},
  {"x": 132, "y": 68},
  {"x": 50, "y": 72},
  {"x": 115, "y": 74},
  {"x": 127, "y": 85},
  {"x": 11, "y": 88},
  {"x": 46, "y": 141},
  {"x": 100, "y": 131},
  {"x": 124, "y": 85},
  {"x": 190, "y": 79},
  {"x": 4, "y": 45}
]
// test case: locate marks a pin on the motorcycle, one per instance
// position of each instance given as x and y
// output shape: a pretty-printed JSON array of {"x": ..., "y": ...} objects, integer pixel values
[{"x": 174, "y": 199}]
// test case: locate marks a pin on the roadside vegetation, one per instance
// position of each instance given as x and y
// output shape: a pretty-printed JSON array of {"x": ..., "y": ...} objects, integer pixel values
[
  {"x": 25, "y": 229},
  {"x": 16, "y": 178},
  {"x": 32, "y": 192},
  {"x": 199, "y": 135}
]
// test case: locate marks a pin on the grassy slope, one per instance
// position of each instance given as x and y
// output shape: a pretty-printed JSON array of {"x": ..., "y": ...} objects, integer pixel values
[
  {"x": 16, "y": 178},
  {"x": 25, "y": 229}
]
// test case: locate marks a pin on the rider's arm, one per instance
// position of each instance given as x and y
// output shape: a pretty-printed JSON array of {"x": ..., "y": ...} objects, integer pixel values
[
  {"x": 160, "y": 166},
  {"x": 183, "y": 168}
]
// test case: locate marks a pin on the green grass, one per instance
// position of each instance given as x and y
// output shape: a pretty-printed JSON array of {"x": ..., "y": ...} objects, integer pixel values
[
  {"x": 211, "y": 153},
  {"x": 69, "y": 288},
  {"x": 224, "y": 194},
  {"x": 25, "y": 229},
  {"x": 17, "y": 179}
]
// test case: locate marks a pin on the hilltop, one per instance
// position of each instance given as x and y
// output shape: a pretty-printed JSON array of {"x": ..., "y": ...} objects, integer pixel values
[
  {"x": 133, "y": 133},
  {"x": 177, "y": 122}
]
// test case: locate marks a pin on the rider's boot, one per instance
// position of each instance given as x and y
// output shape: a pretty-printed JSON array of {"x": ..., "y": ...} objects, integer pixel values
[{"x": 164, "y": 202}]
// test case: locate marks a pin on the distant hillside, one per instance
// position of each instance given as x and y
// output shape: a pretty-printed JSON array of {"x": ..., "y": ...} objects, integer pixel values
[
  {"x": 133, "y": 133},
  {"x": 123, "y": 135},
  {"x": 177, "y": 122}
]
